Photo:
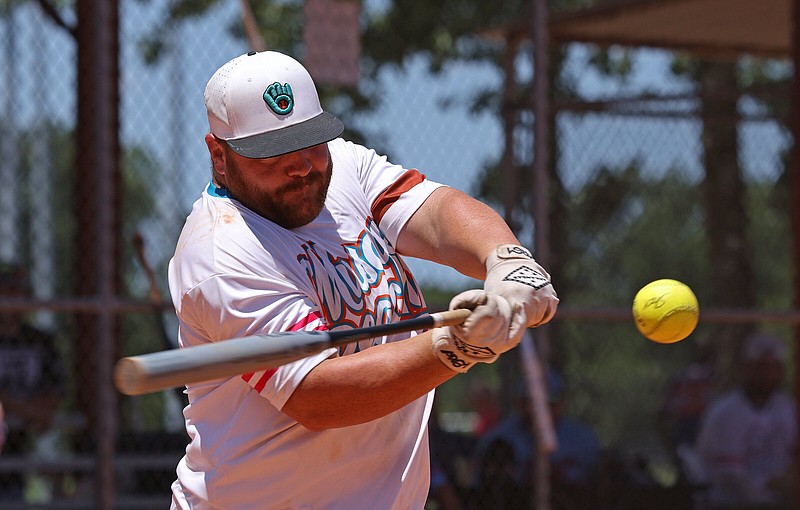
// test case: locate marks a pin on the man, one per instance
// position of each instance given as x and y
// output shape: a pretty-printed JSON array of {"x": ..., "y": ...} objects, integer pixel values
[
  {"x": 31, "y": 380},
  {"x": 747, "y": 437},
  {"x": 301, "y": 230},
  {"x": 2, "y": 427},
  {"x": 506, "y": 454}
]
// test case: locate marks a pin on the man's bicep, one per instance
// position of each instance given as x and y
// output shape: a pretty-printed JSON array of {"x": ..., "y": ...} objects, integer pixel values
[
  {"x": 454, "y": 229},
  {"x": 419, "y": 236}
]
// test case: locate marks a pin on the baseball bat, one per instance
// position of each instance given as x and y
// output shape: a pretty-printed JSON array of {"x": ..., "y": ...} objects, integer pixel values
[{"x": 148, "y": 373}]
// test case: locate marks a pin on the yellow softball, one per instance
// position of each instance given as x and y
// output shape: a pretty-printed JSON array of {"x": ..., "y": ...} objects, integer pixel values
[{"x": 665, "y": 311}]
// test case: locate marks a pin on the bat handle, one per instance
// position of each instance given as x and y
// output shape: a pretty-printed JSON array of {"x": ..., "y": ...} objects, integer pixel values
[{"x": 450, "y": 317}]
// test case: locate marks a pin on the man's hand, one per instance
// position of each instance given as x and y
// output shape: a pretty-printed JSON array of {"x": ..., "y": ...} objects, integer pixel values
[
  {"x": 493, "y": 327},
  {"x": 512, "y": 273}
]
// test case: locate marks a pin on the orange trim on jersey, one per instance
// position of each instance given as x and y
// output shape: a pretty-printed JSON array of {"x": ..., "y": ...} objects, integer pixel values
[{"x": 390, "y": 195}]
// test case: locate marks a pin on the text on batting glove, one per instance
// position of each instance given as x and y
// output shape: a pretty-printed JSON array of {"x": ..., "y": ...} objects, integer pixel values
[
  {"x": 512, "y": 273},
  {"x": 493, "y": 327}
]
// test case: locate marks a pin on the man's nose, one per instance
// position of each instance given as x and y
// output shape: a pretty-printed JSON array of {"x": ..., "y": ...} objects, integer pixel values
[{"x": 297, "y": 165}]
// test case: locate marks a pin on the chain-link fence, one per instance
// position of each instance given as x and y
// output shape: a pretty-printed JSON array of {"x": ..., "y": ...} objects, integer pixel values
[{"x": 632, "y": 202}]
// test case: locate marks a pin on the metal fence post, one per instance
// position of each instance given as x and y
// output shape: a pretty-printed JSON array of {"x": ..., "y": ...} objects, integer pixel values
[{"x": 99, "y": 150}]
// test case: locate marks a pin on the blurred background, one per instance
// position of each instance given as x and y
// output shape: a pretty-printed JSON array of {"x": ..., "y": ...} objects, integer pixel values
[{"x": 624, "y": 141}]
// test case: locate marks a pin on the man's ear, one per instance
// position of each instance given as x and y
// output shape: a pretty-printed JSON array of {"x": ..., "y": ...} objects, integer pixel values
[{"x": 217, "y": 152}]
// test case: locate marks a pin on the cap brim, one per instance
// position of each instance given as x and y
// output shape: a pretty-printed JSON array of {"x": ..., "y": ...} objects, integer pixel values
[{"x": 320, "y": 129}]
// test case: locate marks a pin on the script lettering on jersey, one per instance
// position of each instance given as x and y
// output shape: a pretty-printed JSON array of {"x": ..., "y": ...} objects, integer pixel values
[{"x": 365, "y": 285}]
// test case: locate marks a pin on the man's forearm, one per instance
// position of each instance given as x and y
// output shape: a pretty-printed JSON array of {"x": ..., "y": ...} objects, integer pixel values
[{"x": 364, "y": 386}]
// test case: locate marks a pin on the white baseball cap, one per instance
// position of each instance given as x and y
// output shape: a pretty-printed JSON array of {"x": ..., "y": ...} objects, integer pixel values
[
  {"x": 265, "y": 104},
  {"x": 764, "y": 346}
]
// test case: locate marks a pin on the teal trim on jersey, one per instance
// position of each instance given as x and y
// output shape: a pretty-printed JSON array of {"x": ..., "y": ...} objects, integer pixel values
[{"x": 218, "y": 192}]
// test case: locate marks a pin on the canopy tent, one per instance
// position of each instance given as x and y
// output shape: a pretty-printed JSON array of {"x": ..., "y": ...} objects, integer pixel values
[{"x": 718, "y": 28}]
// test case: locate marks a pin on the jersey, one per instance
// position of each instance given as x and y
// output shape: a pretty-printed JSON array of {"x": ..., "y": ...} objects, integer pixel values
[
  {"x": 742, "y": 447},
  {"x": 234, "y": 274}
]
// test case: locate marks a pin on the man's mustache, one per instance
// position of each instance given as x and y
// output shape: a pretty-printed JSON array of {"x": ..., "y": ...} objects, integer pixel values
[{"x": 300, "y": 183}]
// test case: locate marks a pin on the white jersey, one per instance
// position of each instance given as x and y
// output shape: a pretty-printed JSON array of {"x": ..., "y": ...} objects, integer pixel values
[
  {"x": 234, "y": 274},
  {"x": 742, "y": 447}
]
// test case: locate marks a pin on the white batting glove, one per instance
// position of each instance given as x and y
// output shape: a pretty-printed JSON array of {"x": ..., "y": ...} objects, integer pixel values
[
  {"x": 512, "y": 273},
  {"x": 493, "y": 327}
]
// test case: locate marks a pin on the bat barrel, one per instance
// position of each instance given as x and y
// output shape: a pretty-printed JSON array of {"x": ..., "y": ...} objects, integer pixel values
[
  {"x": 137, "y": 375},
  {"x": 131, "y": 377}
]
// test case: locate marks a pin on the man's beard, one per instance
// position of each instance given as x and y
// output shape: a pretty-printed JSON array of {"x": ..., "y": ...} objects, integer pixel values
[{"x": 274, "y": 206}]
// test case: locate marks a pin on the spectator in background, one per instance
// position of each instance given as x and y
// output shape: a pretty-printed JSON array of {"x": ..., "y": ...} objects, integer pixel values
[
  {"x": 443, "y": 494},
  {"x": 2, "y": 427},
  {"x": 747, "y": 437},
  {"x": 686, "y": 400},
  {"x": 446, "y": 447},
  {"x": 575, "y": 462},
  {"x": 506, "y": 455},
  {"x": 31, "y": 377},
  {"x": 486, "y": 406}
]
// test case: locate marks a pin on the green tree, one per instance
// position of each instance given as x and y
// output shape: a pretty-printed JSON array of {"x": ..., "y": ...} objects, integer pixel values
[
  {"x": 138, "y": 170},
  {"x": 730, "y": 223},
  {"x": 609, "y": 235}
]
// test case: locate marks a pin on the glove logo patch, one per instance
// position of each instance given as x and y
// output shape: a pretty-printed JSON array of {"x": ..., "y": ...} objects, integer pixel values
[
  {"x": 473, "y": 350},
  {"x": 528, "y": 276},
  {"x": 455, "y": 360},
  {"x": 520, "y": 251}
]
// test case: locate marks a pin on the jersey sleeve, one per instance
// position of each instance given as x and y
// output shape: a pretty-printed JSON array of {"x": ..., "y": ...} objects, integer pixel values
[
  {"x": 393, "y": 191},
  {"x": 243, "y": 305},
  {"x": 395, "y": 206}
]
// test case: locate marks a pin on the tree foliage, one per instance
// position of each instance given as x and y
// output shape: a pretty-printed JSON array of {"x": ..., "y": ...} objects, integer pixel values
[{"x": 610, "y": 236}]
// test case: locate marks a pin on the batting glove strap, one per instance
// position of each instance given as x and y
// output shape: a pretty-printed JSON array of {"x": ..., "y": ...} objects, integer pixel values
[
  {"x": 493, "y": 327},
  {"x": 512, "y": 272},
  {"x": 456, "y": 354}
]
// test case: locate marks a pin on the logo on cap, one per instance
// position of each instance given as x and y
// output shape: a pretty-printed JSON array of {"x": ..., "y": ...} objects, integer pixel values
[{"x": 279, "y": 98}]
